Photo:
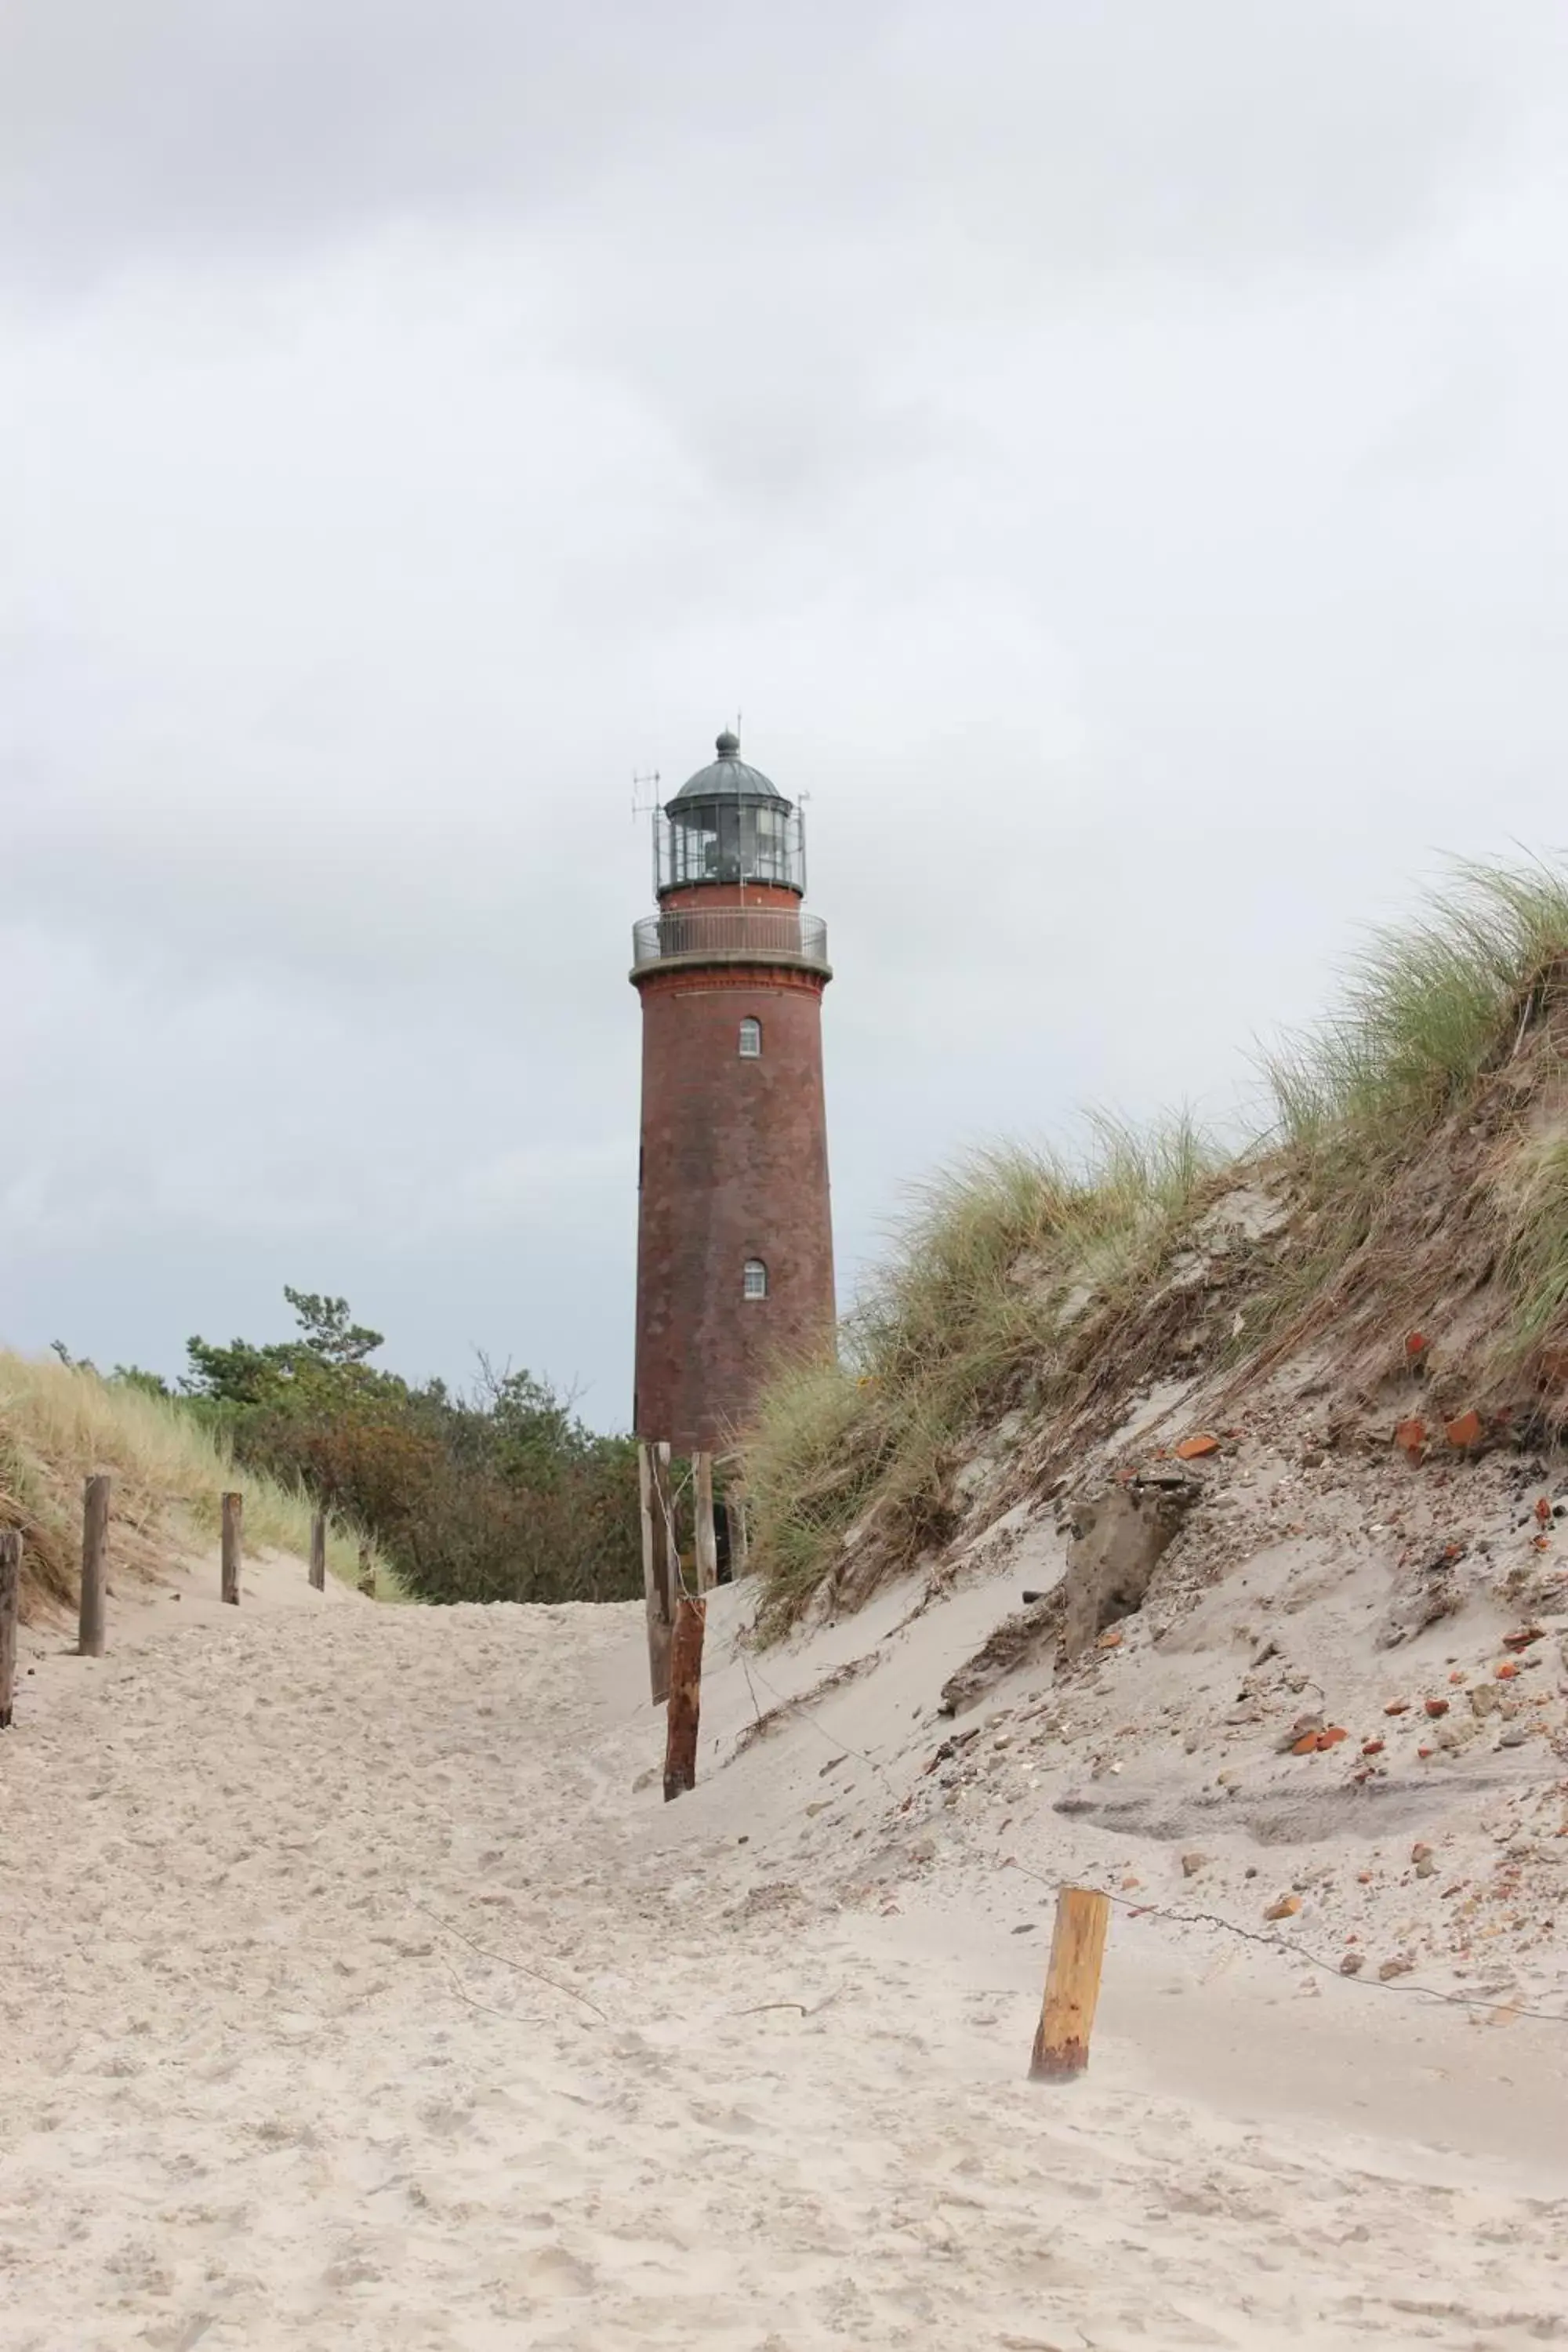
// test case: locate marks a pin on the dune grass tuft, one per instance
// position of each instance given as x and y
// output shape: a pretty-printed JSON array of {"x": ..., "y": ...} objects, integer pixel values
[
  {"x": 986, "y": 1272},
  {"x": 60, "y": 1422},
  {"x": 1429, "y": 1009}
]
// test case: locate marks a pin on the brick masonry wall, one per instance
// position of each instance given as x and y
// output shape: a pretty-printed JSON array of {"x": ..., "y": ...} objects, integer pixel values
[{"x": 734, "y": 1166}]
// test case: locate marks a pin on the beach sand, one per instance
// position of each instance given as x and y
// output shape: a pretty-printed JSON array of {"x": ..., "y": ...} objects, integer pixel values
[{"x": 358, "y": 1990}]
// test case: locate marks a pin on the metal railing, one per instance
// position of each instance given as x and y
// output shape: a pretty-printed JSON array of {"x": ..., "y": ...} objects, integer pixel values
[{"x": 731, "y": 935}]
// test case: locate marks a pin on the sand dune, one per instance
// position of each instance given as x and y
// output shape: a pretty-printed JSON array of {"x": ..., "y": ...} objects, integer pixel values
[{"x": 352, "y": 1998}]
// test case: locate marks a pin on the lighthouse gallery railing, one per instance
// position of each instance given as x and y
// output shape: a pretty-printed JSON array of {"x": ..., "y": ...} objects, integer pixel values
[{"x": 730, "y": 935}]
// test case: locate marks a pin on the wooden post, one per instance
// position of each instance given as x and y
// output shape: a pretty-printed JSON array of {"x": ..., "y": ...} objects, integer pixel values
[
  {"x": 366, "y": 1572},
  {"x": 233, "y": 1530},
  {"x": 655, "y": 1582},
  {"x": 94, "y": 1565},
  {"x": 319, "y": 1551},
  {"x": 10, "y": 1601},
  {"x": 665, "y": 1555},
  {"x": 736, "y": 1505},
  {"x": 685, "y": 1697},
  {"x": 1072, "y": 1986},
  {"x": 707, "y": 1540}
]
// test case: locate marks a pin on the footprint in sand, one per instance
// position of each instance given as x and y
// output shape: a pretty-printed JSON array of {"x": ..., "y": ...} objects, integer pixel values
[{"x": 552, "y": 2274}]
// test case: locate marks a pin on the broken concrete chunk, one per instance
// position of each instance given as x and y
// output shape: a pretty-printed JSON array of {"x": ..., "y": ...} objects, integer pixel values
[{"x": 1119, "y": 1536}]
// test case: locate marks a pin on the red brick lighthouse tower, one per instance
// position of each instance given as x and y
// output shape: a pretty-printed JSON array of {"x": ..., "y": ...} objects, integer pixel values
[{"x": 734, "y": 1236}]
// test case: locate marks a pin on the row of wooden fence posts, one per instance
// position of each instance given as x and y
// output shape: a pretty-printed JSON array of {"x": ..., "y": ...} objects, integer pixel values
[
  {"x": 92, "y": 1626},
  {"x": 1083, "y": 1915}
]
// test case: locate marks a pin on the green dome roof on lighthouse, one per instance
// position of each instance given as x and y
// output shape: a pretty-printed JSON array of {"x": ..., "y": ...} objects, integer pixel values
[{"x": 728, "y": 778}]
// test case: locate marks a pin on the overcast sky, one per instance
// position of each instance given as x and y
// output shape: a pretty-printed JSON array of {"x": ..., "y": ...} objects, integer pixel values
[{"x": 1109, "y": 451}]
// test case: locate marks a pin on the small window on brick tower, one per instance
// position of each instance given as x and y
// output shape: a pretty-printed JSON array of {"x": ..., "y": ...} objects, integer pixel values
[
  {"x": 751, "y": 1041},
  {"x": 754, "y": 1279}
]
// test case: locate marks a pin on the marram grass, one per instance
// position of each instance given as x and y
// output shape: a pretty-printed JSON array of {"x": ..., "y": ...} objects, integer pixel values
[
  {"x": 971, "y": 1308},
  {"x": 967, "y": 1312},
  {"x": 58, "y": 1423}
]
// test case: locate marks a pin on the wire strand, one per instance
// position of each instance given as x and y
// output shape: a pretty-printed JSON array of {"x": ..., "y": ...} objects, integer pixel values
[
  {"x": 1299, "y": 1951},
  {"x": 1204, "y": 1918}
]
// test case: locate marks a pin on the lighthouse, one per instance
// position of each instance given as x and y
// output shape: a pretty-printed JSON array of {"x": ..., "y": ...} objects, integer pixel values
[{"x": 734, "y": 1233}]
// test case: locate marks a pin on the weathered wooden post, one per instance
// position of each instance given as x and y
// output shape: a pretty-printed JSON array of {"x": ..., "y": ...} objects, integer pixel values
[
  {"x": 10, "y": 1602},
  {"x": 1072, "y": 1986},
  {"x": 366, "y": 1572},
  {"x": 319, "y": 1551},
  {"x": 685, "y": 1697},
  {"x": 655, "y": 1576},
  {"x": 735, "y": 1508},
  {"x": 233, "y": 1530},
  {"x": 94, "y": 1565},
  {"x": 663, "y": 1572},
  {"x": 707, "y": 1537}
]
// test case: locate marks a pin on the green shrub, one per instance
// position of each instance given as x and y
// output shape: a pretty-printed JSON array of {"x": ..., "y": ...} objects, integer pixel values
[{"x": 500, "y": 1494}]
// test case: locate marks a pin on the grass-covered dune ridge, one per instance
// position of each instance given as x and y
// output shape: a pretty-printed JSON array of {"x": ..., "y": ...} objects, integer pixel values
[
  {"x": 59, "y": 1423},
  {"x": 1412, "y": 1173}
]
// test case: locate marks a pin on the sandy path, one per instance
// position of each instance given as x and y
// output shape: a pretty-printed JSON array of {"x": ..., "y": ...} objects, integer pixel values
[{"x": 255, "y": 2095}]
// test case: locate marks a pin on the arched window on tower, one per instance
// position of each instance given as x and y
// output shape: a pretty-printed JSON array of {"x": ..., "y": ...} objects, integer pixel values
[
  {"x": 754, "y": 1279},
  {"x": 751, "y": 1041}
]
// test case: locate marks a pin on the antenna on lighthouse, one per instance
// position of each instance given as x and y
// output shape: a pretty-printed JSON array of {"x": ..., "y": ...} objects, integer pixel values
[{"x": 645, "y": 792}]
